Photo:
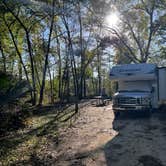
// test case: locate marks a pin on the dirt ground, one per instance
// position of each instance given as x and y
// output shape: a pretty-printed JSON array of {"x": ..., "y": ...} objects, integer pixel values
[{"x": 97, "y": 139}]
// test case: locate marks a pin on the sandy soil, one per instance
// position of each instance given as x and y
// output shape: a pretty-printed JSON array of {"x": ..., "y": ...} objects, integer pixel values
[{"x": 97, "y": 139}]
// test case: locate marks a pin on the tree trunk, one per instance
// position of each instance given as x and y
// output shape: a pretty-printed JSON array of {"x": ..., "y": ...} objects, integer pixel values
[
  {"x": 59, "y": 68},
  {"x": 32, "y": 67},
  {"x": 99, "y": 72},
  {"x": 20, "y": 70},
  {"x": 37, "y": 74},
  {"x": 51, "y": 86},
  {"x": 29, "y": 49},
  {"x": 84, "y": 87},
  {"x": 46, "y": 56},
  {"x": 3, "y": 56},
  {"x": 19, "y": 54},
  {"x": 73, "y": 64}
]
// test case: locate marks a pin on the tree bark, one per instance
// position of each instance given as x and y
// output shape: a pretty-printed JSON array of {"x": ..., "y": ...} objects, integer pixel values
[
  {"x": 3, "y": 56},
  {"x": 51, "y": 86},
  {"x": 99, "y": 72},
  {"x": 59, "y": 67},
  {"x": 46, "y": 56}
]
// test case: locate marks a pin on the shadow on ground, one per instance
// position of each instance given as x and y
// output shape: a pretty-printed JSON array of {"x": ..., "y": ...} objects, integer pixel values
[
  {"x": 140, "y": 141},
  {"x": 32, "y": 138}
]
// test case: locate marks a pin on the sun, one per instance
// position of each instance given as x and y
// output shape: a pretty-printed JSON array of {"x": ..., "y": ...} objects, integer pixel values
[{"x": 112, "y": 20}]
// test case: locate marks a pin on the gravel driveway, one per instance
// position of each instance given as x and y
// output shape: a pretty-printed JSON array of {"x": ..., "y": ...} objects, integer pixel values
[{"x": 97, "y": 139}]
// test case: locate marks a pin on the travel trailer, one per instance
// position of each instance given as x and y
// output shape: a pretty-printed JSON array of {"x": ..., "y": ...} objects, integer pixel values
[{"x": 139, "y": 87}]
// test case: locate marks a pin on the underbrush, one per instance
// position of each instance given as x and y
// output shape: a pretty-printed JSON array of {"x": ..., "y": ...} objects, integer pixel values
[
  {"x": 12, "y": 117},
  {"x": 30, "y": 136}
]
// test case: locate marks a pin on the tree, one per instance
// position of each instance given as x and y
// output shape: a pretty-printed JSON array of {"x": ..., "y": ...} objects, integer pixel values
[
  {"x": 139, "y": 27},
  {"x": 27, "y": 34},
  {"x": 47, "y": 53}
]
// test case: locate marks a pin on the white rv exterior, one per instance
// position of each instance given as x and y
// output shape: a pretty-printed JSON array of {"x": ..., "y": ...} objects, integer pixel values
[{"x": 140, "y": 86}]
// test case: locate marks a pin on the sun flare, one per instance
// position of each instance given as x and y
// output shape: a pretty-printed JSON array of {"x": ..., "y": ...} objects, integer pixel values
[{"x": 112, "y": 20}]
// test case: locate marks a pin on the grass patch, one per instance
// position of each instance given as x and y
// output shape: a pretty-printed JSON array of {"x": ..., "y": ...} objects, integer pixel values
[{"x": 36, "y": 143}]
